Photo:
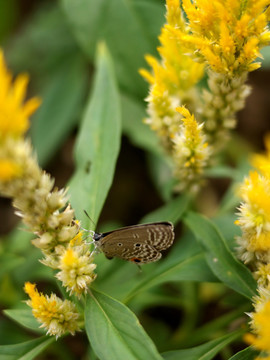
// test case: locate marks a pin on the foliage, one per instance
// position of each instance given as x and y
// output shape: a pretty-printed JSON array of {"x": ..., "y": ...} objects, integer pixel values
[{"x": 83, "y": 57}]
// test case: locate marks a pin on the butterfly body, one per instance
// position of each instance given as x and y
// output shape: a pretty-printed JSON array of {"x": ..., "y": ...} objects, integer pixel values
[{"x": 137, "y": 243}]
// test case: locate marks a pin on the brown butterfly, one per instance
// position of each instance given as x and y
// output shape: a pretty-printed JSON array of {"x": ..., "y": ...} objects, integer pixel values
[{"x": 137, "y": 243}]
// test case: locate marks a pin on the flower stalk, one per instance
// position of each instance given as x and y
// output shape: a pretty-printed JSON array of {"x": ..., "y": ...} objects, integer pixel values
[
  {"x": 43, "y": 208},
  {"x": 254, "y": 245},
  {"x": 220, "y": 40}
]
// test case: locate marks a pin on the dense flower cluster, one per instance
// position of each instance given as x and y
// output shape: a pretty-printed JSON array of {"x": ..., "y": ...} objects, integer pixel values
[
  {"x": 220, "y": 39},
  {"x": 254, "y": 244},
  {"x": 55, "y": 315},
  {"x": 172, "y": 79},
  {"x": 254, "y": 214},
  {"x": 42, "y": 207},
  {"x": 76, "y": 266},
  {"x": 190, "y": 149},
  {"x": 260, "y": 320}
]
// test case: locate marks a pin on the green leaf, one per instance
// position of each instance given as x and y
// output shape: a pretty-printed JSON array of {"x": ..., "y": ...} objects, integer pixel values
[
  {"x": 25, "y": 318},
  {"x": 61, "y": 102},
  {"x": 160, "y": 169},
  {"x": 222, "y": 171},
  {"x": 246, "y": 354},
  {"x": 138, "y": 133},
  {"x": 60, "y": 79},
  {"x": 227, "y": 227},
  {"x": 230, "y": 201},
  {"x": 25, "y": 351},
  {"x": 185, "y": 262},
  {"x": 203, "y": 352},
  {"x": 266, "y": 57},
  {"x": 218, "y": 256},
  {"x": 18, "y": 240},
  {"x": 9, "y": 262},
  {"x": 130, "y": 28},
  {"x": 44, "y": 35},
  {"x": 98, "y": 142},
  {"x": 115, "y": 332},
  {"x": 172, "y": 211}
]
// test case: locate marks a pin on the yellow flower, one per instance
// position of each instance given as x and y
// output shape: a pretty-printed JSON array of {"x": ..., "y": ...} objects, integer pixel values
[
  {"x": 262, "y": 162},
  {"x": 172, "y": 78},
  {"x": 222, "y": 36},
  {"x": 191, "y": 151},
  {"x": 55, "y": 315},
  {"x": 9, "y": 169},
  {"x": 76, "y": 265},
  {"x": 227, "y": 34},
  {"x": 174, "y": 15},
  {"x": 262, "y": 275},
  {"x": 254, "y": 218},
  {"x": 260, "y": 323},
  {"x": 43, "y": 208},
  {"x": 14, "y": 113}
]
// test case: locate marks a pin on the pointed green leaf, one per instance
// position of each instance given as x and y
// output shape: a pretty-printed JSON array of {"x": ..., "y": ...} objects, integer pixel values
[
  {"x": 61, "y": 103},
  {"x": 130, "y": 28},
  {"x": 222, "y": 171},
  {"x": 172, "y": 211},
  {"x": 138, "y": 133},
  {"x": 185, "y": 262},
  {"x": 25, "y": 351},
  {"x": 25, "y": 318},
  {"x": 246, "y": 354},
  {"x": 203, "y": 352},
  {"x": 98, "y": 142},
  {"x": 114, "y": 331},
  {"x": 219, "y": 257},
  {"x": 9, "y": 262}
]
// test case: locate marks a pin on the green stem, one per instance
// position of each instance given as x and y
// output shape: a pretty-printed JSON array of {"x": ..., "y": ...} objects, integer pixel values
[{"x": 189, "y": 298}]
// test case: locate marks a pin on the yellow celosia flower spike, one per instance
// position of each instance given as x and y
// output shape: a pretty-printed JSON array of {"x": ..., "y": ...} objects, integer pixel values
[
  {"x": 222, "y": 36},
  {"x": 172, "y": 79},
  {"x": 44, "y": 209},
  {"x": 262, "y": 162},
  {"x": 14, "y": 115},
  {"x": 254, "y": 219},
  {"x": 191, "y": 151},
  {"x": 227, "y": 34},
  {"x": 76, "y": 266},
  {"x": 9, "y": 169},
  {"x": 260, "y": 324},
  {"x": 55, "y": 315},
  {"x": 254, "y": 216},
  {"x": 254, "y": 246}
]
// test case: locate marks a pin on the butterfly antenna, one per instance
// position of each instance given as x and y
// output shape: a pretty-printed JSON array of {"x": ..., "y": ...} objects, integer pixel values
[
  {"x": 86, "y": 213},
  {"x": 91, "y": 232}
]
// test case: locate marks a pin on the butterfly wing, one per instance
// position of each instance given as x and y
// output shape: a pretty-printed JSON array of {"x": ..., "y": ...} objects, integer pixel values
[
  {"x": 138, "y": 243},
  {"x": 142, "y": 254}
]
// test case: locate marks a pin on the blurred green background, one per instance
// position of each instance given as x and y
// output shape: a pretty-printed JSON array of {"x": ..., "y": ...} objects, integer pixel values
[{"x": 55, "y": 42}]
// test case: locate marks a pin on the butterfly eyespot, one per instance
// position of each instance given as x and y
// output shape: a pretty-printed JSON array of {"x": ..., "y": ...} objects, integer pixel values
[
  {"x": 138, "y": 245},
  {"x": 119, "y": 244},
  {"x": 136, "y": 260}
]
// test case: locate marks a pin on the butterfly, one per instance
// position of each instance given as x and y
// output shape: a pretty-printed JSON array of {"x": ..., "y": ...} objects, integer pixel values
[{"x": 136, "y": 243}]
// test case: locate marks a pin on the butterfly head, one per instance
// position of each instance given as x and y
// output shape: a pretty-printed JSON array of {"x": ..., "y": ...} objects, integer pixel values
[{"x": 97, "y": 236}]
